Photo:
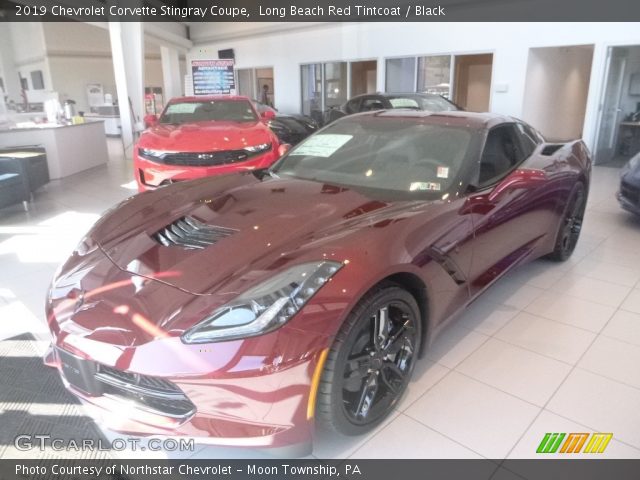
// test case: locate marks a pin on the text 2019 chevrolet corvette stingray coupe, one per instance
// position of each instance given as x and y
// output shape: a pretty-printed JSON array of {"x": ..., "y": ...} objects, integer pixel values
[{"x": 243, "y": 309}]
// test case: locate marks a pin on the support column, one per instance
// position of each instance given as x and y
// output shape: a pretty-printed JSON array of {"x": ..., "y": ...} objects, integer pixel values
[
  {"x": 170, "y": 73},
  {"x": 127, "y": 49},
  {"x": 8, "y": 69}
]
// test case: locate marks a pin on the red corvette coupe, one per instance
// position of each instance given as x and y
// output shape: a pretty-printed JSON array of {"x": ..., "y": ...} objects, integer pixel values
[
  {"x": 243, "y": 309},
  {"x": 200, "y": 137}
]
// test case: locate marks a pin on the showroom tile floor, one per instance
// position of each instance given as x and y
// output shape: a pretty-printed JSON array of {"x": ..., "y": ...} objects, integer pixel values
[{"x": 550, "y": 348}]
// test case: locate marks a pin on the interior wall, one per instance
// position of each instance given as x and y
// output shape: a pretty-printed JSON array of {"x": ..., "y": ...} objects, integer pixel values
[
  {"x": 509, "y": 42},
  {"x": 473, "y": 82},
  {"x": 79, "y": 54},
  {"x": 557, "y": 87},
  {"x": 363, "y": 77}
]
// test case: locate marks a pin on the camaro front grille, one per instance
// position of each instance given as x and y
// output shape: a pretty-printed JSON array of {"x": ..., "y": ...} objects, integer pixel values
[
  {"x": 199, "y": 159},
  {"x": 630, "y": 192},
  {"x": 187, "y": 232},
  {"x": 154, "y": 394}
]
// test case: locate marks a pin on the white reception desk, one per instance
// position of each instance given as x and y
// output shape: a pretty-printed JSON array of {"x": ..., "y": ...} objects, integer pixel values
[{"x": 70, "y": 148}]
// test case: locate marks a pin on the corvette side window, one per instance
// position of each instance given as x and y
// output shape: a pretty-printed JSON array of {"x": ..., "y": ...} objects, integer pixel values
[
  {"x": 501, "y": 154},
  {"x": 527, "y": 141}
]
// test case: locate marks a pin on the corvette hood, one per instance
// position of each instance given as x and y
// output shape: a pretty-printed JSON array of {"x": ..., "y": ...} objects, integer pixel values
[
  {"x": 205, "y": 136},
  {"x": 257, "y": 226}
]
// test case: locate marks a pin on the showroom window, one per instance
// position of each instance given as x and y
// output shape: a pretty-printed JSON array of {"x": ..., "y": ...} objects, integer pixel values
[
  {"x": 311, "y": 76},
  {"x": 37, "y": 80},
  {"x": 400, "y": 74},
  {"x": 335, "y": 83},
  {"x": 434, "y": 75},
  {"x": 252, "y": 82},
  {"x": 463, "y": 79},
  {"x": 326, "y": 86}
]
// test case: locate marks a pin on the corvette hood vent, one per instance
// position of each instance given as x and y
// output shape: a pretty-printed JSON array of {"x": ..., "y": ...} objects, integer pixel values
[{"x": 187, "y": 232}]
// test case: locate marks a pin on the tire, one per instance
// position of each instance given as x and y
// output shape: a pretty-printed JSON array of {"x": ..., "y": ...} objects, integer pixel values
[
  {"x": 571, "y": 225},
  {"x": 365, "y": 375}
]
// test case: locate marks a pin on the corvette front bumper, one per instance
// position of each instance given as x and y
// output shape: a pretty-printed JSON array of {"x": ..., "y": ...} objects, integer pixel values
[{"x": 251, "y": 404}]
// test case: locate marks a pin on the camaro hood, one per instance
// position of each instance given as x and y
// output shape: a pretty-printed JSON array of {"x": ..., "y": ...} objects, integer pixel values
[
  {"x": 205, "y": 136},
  {"x": 257, "y": 227}
]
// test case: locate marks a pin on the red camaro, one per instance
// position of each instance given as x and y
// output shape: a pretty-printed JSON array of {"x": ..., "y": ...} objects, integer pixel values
[
  {"x": 245, "y": 308},
  {"x": 200, "y": 137}
]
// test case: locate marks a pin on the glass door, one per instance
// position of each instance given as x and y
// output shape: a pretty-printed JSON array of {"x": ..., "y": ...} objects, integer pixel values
[{"x": 610, "y": 106}]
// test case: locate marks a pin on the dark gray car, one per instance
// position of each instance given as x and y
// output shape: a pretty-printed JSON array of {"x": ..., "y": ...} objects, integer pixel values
[{"x": 629, "y": 193}]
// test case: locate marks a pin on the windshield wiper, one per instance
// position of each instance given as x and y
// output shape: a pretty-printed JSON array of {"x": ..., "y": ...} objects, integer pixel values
[{"x": 261, "y": 173}]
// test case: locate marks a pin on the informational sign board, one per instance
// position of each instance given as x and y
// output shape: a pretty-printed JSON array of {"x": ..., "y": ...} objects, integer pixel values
[
  {"x": 95, "y": 94},
  {"x": 213, "y": 77}
]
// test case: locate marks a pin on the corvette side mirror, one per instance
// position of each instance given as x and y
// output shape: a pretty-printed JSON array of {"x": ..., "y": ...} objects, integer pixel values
[
  {"x": 518, "y": 179},
  {"x": 283, "y": 148}
]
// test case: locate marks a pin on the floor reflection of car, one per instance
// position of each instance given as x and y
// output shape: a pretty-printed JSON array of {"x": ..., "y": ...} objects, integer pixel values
[
  {"x": 245, "y": 309},
  {"x": 629, "y": 193},
  {"x": 290, "y": 128},
  {"x": 386, "y": 101},
  {"x": 200, "y": 137}
]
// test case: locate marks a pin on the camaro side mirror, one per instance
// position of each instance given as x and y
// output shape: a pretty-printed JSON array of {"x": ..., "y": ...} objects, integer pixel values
[
  {"x": 150, "y": 120},
  {"x": 283, "y": 148},
  {"x": 268, "y": 115},
  {"x": 518, "y": 179}
]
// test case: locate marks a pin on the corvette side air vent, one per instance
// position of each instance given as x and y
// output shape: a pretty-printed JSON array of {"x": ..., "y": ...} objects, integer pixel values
[
  {"x": 187, "y": 232},
  {"x": 552, "y": 148}
]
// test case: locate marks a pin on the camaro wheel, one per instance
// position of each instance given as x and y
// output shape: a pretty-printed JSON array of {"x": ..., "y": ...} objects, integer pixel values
[
  {"x": 569, "y": 231},
  {"x": 371, "y": 361}
]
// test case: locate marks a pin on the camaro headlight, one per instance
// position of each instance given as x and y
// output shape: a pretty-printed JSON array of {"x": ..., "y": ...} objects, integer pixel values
[
  {"x": 265, "y": 307},
  {"x": 263, "y": 147},
  {"x": 148, "y": 152}
]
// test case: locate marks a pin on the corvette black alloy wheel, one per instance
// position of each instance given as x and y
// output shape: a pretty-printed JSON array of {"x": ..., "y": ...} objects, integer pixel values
[
  {"x": 371, "y": 361},
  {"x": 571, "y": 226}
]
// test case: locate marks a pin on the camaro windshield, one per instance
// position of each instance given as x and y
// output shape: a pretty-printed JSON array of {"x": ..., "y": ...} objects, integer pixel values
[
  {"x": 210, "y": 110},
  {"x": 402, "y": 155}
]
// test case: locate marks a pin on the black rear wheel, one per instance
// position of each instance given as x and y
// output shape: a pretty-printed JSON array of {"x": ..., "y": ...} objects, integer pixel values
[
  {"x": 569, "y": 231},
  {"x": 370, "y": 362}
]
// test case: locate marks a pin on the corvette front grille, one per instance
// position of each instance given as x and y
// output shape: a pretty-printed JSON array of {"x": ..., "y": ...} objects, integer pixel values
[
  {"x": 155, "y": 383},
  {"x": 150, "y": 393},
  {"x": 154, "y": 394},
  {"x": 187, "y": 232}
]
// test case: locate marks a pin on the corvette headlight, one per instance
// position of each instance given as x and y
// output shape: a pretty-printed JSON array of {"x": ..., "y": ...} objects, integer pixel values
[
  {"x": 265, "y": 307},
  {"x": 263, "y": 147}
]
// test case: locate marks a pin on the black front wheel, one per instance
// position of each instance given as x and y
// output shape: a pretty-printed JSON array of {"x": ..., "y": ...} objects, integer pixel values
[
  {"x": 569, "y": 230},
  {"x": 371, "y": 361}
]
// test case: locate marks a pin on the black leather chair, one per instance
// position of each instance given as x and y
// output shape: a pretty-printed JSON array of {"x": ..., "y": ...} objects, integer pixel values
[
  {"x": 34, "y": 159},
  {"x": 14, "y": 186},
  {"x": 23, "y": 170}
]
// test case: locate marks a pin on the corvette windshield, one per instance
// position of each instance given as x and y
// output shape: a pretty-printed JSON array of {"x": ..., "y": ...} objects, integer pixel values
[
  {"x": 402, "y": 155},
  {"x": 207, "y": 111}
]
